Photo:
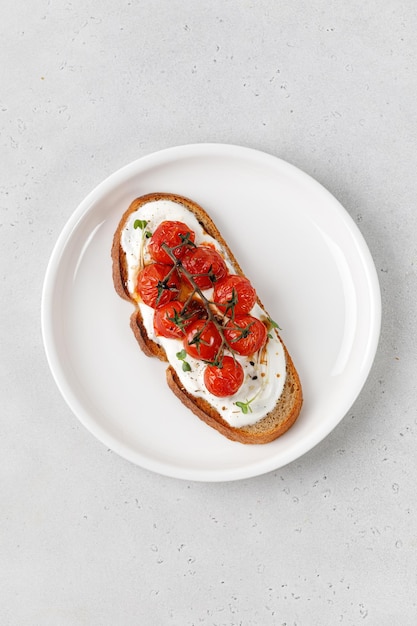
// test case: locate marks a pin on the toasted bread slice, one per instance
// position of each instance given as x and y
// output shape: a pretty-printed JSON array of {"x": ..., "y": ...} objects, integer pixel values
[{"x": 275, "y": 422}]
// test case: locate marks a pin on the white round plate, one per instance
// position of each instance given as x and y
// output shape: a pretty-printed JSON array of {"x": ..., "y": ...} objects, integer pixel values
[{"x": 310, "y": 266}]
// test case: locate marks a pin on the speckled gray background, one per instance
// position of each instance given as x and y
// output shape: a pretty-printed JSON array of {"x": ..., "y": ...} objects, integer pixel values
[{"x": 86, "y": 537}]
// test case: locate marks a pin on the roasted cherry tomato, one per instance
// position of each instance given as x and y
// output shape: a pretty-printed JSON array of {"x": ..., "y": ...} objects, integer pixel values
[
  {"x": 205, "y": 264},
  {"x": 167, "y": 320},
  {"x": 175, "y": 235},
  {"x": 157, "y": 284},
  {"x": 225, "y": 380},
  {"x": 245, "y": 334},
  {"x": 234, "y": 295},
  {"x": 173, "y": 318},
  {"x": 202, "y": 340}
]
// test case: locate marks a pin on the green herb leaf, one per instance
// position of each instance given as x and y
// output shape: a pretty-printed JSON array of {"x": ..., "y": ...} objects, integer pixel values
[
  {"x": 186, "y": 367},
  {"x": 273, "y": 324},
  {"x": 270, "y": 335},
  {"x": 139, "y": 224},
  {"x": 243, "y": 406},
  {"x": 148, "y": 234}
]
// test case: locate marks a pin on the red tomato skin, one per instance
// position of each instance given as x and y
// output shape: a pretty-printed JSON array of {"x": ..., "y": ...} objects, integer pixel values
[
  {"x": 202, "y": 260},
  {"x": 254, "y": 329},
  {"x": 244, "y": 292},
  {"x": 165, "y": 327},
  {"x": 150, "y": 278},
  {"x": 169, "y": 232},
  {"x": 210, "y": 340},
  {"x": 226, "y": 380}
]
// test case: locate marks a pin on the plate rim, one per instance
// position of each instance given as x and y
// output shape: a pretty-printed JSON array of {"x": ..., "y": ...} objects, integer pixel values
[{"x": 121, "y": 175}]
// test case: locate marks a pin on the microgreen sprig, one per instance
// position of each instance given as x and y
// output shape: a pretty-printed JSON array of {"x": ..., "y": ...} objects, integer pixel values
[
  {"x": 145, "y": 235},
  {"x": 271, "y": 325},
  {"x": 244, "y": 406},
  {"x": 142, "y": 225},
  {"x": 182, "y": 355}
]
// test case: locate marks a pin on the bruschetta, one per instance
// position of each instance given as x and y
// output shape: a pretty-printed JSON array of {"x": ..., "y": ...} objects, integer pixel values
[{"x": 194, "y": 308}]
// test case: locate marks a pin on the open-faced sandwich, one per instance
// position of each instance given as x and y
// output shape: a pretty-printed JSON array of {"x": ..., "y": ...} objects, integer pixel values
[{"x": 195, "y": 309}]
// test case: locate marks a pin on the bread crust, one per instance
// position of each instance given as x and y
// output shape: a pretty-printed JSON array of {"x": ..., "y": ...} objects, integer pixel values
[{"x": 288, "y": 407}]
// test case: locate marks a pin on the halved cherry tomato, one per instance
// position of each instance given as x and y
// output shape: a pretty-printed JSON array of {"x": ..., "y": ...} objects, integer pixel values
[
  {"x": 234, "y": 295},
  {"x": 202, "y": 340},
  {"x": 174, "y": 235},
  {"x": 225, "y": 380},
  {"x": 167, "y": 320},
  {"x": 157, "y": 284},
  {"x": 245, "y": 334},
  {"x": 205, "y": 264}
]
